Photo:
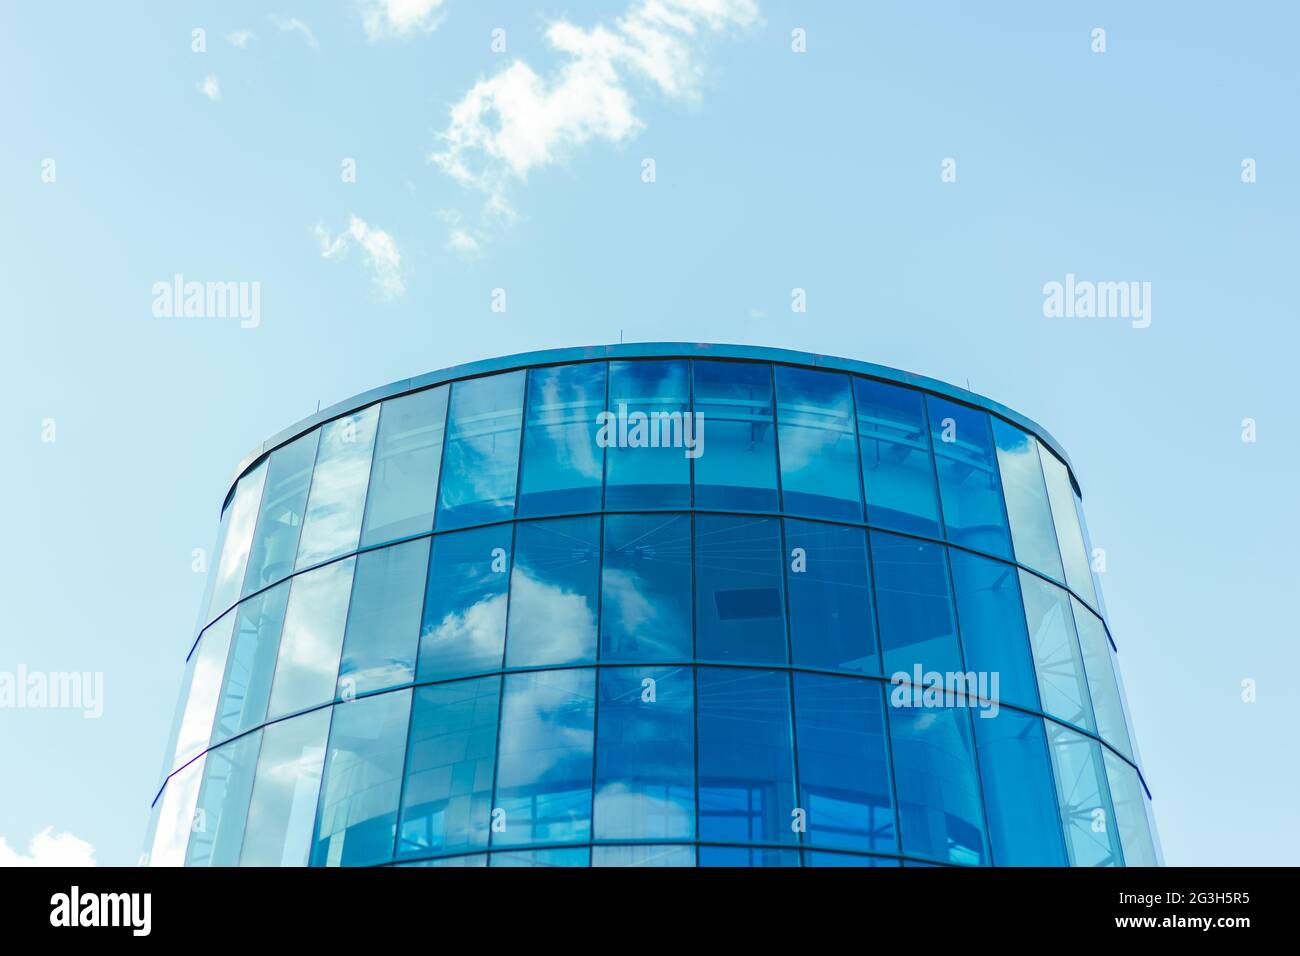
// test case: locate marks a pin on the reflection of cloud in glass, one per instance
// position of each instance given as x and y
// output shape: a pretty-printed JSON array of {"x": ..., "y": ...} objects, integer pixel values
[
  {"x": 176, "y": 816},
  {"x": 474, "y": 632},
  {"x": 313, "y": 637},
  {"x": 655, "y": 623},
  {"x": 648, "y": 810},
  {"x": 338, "y": 488},
  {"x": 572, "y": 429},
  {"x": 557, "y": 625}
]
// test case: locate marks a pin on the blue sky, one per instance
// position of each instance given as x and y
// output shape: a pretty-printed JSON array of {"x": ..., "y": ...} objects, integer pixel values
[{"x": 522, "y": 170}]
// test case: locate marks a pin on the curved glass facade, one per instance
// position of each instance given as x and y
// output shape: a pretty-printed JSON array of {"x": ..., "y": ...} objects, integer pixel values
[{"x": 654, "y": 608}]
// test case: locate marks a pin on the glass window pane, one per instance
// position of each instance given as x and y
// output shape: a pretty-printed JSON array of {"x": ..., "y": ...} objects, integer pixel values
[
  {"x": 968, "y": 477},
  {"x": 307, "y": 666},
  {"x": 238, "y": 538},
  {"x": 204, "y": 692},
  {"x": 223, "y": 803},
  {"x": 562, "y": 464},
  {"x": 481, "y": 460},
  {"x": 553, "y": 592},
  {"x": 1060, "y": 492},
  {"x": 844, "y": 785},
  {"x": 284, "y": 505},
  {"x": 404, "y": 475},
  {"x": 545, "y": 758},
  {"x": 646, "y": 588},
  {"x": 739, "y": 599},
  {"x": 363, "y": 781},
  {"x": 176, "y": 816},
  {"x": 939, "y": 806},
  {"x": 1084, "y": 798},
  {"x": 897, "y": 468},
  {"x": 822, "y": 858},
  {"x": 992, "y": 622},
  {"x": 1098, "y": 664},
  {"x": 738, "y": 471},
  {"x": 1095, "y": 565},
  {"x": 746, "y": 767},
  {"x": 818, "y": 444},
  {"x": 383, "y": 630},
  {"x": 282, "y": 810},
  {"x": 657, "y": 855},
  {"x": 1024, "y": 828},
  {"x": 250, "y": 666},
  {"x": 747, "y": 856},
  {"x": 1062, "y": 685},
  {"x": 464, "y": 625},
  {"x": 338, "y": 487},
  {"x": 471, "y": 859},
  {"x": 1130, "y": 812},
  {"x": 831, "y": 625},
  {"x": 447, "y": 801},
  {"x": 563, "y": 856},
  {"x": 914, "y": 606},
  {"x": 648, "y": 401},
  {"x": 1028, "y": 509},
  {"x": 645, "y": 757}
]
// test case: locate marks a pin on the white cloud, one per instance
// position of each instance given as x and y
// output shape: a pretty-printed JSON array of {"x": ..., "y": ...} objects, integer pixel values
[
  {"x": 382, "y": 257},
  {"x": 294, "y": 25},
  {"x": 48, "y": 848},
  {"x": 398, "y": 18},
  {"x": 519, "y": 120},
  {"x": 241, "y": 38},
  {"x": 210, "y": 87}
]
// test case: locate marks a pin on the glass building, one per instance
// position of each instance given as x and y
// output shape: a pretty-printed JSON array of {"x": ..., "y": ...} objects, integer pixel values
[{"x": 654, "y": 605}]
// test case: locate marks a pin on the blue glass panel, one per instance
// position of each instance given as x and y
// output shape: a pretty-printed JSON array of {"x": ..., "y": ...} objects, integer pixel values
[
  {"x": 282, "y": 810},
  {"x": 1069, "y": 533},
  {"x": 1028, "y": 510},
  {"x": 451, "y": 757},
  {"x": 843, "y": 763},
  {"x": 481, "y": 460},
  {"x": 383, "y": 630},
  {"x": 897, "y": 468},
  {"x": 563, "y": 856},
  {"x": 1062, "y": 685},
  {"x": 747, "y": 856},
  {"x": 913, "y": 605},
  {"x": 284, "y": 506},
  {"x": 655, "y": 855},
  {"x": 250, "y": 666},
  {"x": 993, "y": 636},
  {"x": 204, "y": 693},
  {"x": 218, "y": 831},
  {"x": 831, "y": 624},
  {"x": 737, "y": 470},
  {"x": 822, "y": 858},
  {"x": 746, "y": 767},
  {"x": 338, "y": 488},
  {"x": 649, "y": 402},
  {"x": 1098, "y": 664},
  {"x": 938, "y": 792},
  {"x": 544, "y": 763},
  {"x": 739, "y": 599},
  {"x": 464, "y": 625},
  {"x": 1091, "y": 833},
  {"x": 553, "y": 592},
  {"x": 818, "y": 444},
  {"x": 645, "y": 756},
  {"x": 562, "y": 464},
  {"x": 307, "y": 666},
  {"x": 646, "y": 588},
  {"x": 404, "y": 476},
  {"x": 469, "y": 859},
  {"x": 1024, "y": 828},
  {"x": 968, "y": 477},
  {"x": 1129, "y": 799},
  {"x": 238, "y": 522},
  {"x": 1097, "y": 562},
  {"x": 176, "y": 810}
]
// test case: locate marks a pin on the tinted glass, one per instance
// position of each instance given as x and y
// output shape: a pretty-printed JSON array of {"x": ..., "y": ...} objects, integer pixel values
[
  {"x": 284, "y": 506},
  {"x": 1129, "y": 800},
  {"x": 464, "y": 624},
  {"x": 658, "y": 855},
  {"x": 307, "y": 666},
  {"x": 553, "y": 592},
  {"x": 363, "y": 780},
  {"x": 282, "y": 810},
  {"x": 219, "y": 819},
  {"x": 1062, "y": 686},
  {"x": 563, "y": 856},
  {"x": 250, "y": 665},
  {"x": 831, "y": 624},
  {"x": 645, "y": 755},
  {"x": 404, "y": 476},
  {"x": 818, "y": 444},
  {"x": 176, "y": 816},
  {"x": 451, "y": 758},
  {"x": 739, "y": 599},
  {"x": 383, "y": 630},
  {"x": 747, "y": 856},
  {"x": 1028, "y": 509},
  {"x": 1024, "y": 828},
  {"x": 968, "y": 477},
  {"x": 897, "y": 468},
  {"x": 1084, "y": 797},
  {"x": 544, "y": 763},
  {"x": 816, "y": 858},
  {"x": 746, "y": 765},
  {"x": 993, "y": 636},
  {"x": 646, "y": 466},
  {"x": 844, "y": 785},
  {"x": 1099, "y": 665},
  {"x": 562, "y": 464},
  {"x": 914, "y": 605},
  {"x": 240, "y": 520},
  {"x": 481, "y": 460},
  {"x": 338, "y": 487},
  {"x": 738, "y": 469},
  {"x": 1060, "y": 492},
  {"x": 646, "y": 588},
  {"x": 204, "y": 692}
]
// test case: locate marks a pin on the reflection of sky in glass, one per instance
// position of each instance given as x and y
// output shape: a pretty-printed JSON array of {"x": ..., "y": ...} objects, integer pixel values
[
  {"x": 553, "y": 592},
  {"x": 312, "y": 638},
  {"x": 176, "y": 816},
  {"x": 817, "y": 443},
  {"x": 561, "y": 461},
  {"x": 282, "y": 811},
  {"x": 482, "y": 454},
  {"x": 1061, "y": 682},
  {"x": 1082, "y": 791},
  {"x": 338, "y": 487},
  {"x": 205, "y": 690},
  {"x": 646, "y": 588},
  {"x": 1028, "y": 510},
  {"x": 239, "y": 537}
]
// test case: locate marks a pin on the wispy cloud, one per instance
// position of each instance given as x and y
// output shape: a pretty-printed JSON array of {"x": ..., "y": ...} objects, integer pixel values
[
  {"x": 382, "y": 257},
  {"x": 48, "y": 848},
  {"x": 210, "y": 87},
  {"x": 241, "y": 38},
  {"x": 518, "y": 120},
  {"x": 399, "y": 18},
  {"x": 294, "y": 25}
]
